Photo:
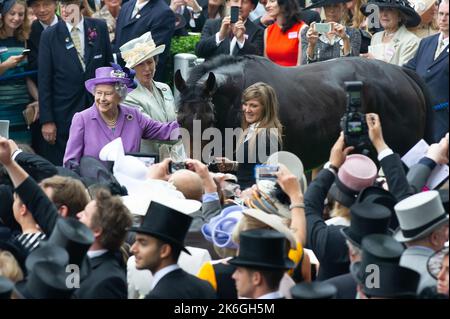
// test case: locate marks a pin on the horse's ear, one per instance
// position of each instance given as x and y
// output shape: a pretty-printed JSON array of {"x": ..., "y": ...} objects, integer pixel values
[
  {"x": 180, "y": 84},
  {"x": 210, "y": 84}
]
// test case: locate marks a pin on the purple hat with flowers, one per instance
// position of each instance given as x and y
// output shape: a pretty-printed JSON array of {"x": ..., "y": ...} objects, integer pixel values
[{"x": 111, "y": 75}]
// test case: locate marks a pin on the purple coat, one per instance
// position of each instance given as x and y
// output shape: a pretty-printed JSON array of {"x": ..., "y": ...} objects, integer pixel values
[{"x": 89, "y": 132}]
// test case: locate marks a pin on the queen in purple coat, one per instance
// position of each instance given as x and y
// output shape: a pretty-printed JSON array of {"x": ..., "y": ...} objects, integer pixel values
[{"x": 107, "y": 119}]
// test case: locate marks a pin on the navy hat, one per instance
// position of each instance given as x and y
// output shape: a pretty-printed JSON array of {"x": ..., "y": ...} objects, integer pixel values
[
  {"x": 46, "y": 281},
  {"x": 6, "y": 287},
  {"x": 262, "y": 248},
  {"x": 413, "y": 18},
  {"x": 166, "y": 224},
  {"x": 395, "y": 281},
  {"x": 314, "y": 290},
  {"x": 30, "y": 2},
  {"x": 366, "y": 219},
  {"x": 8, "y": 243},
  {"x": 323, "y": 3}
]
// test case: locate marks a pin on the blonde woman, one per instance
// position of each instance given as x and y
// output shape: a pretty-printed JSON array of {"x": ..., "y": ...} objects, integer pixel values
[
  {"x": 355, "y": 19},
  {"x": 262, "y": 132}
]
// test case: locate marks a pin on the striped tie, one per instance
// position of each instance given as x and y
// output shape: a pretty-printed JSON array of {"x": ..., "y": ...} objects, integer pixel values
[{"x": 77, "y": 43}]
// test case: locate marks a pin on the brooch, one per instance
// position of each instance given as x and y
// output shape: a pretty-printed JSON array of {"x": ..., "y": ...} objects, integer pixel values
[
  {"x": 67, "y": 39},
  {"x": 129, "y": 117}
]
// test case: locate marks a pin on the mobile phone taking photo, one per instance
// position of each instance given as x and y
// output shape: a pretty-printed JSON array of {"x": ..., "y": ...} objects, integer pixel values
[
  {"x": 26, "y": 51},
  {"x": 176, "y": 166},
  {"x": 322, "y": 27},
  {"x": 234, "y": 14}
]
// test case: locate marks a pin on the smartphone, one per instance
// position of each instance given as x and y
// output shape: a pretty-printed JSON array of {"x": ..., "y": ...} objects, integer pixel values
[
  {"x": 267, "y": 172},
  {"x": 26, "y": 51},
  {"x": 176, "y": 166},
  {"x": 234, "y": 14},
  {"x": 322, "y": 27}
]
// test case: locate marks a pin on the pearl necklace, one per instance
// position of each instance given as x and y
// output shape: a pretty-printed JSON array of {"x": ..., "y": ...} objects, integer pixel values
[{"x": 110, "y": 123}]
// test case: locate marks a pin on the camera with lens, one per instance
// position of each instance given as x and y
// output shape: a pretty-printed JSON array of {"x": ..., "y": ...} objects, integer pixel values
[{"x": 353, "y": 123}]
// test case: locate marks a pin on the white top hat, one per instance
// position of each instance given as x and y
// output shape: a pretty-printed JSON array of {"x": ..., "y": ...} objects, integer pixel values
[
  {"x": 419, "y": 215},
  {"x": 140, "y": 49}
]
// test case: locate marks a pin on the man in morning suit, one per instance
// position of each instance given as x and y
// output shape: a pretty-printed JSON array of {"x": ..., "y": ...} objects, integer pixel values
[
  {"x": 220, "y": 36},
  {"x": 159, "y": 242},
  {"x": 69, "y": 54},
  {"x": 140, "y": 16},
  {"x": 431, "y": 63},
  {"x": 261, "y": 264},
  {"x": 45, "y": 11},
  {"x": 109, "y": 219}
]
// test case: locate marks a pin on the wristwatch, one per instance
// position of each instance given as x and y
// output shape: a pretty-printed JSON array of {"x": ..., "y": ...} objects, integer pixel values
[{"x": 331, "y": 168}]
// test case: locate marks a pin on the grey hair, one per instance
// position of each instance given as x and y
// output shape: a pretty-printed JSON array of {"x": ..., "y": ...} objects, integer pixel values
[
  {"x": 121, "y": 90},
  {"x": 354, "y": 251}
]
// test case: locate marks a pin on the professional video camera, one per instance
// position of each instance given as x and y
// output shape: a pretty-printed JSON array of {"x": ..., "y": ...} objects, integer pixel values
[{"x": 353, "y": 123}]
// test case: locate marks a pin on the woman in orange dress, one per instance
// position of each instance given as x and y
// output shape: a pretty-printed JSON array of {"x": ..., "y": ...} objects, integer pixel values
[{"x": 282, "y": 41}]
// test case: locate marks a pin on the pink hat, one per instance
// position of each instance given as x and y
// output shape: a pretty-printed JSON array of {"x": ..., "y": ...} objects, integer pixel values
[
  {"x": 357, "y": 173},
  {"x": 109, "y": 75}
]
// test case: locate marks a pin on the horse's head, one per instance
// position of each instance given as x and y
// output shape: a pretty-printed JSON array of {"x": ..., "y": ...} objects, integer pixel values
[{"x": 196, "y": 101}]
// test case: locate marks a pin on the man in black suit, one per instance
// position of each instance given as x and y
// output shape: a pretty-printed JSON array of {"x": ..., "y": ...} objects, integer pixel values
[
  {"x": 220, "y": 36},
  {"x": 137, "y": 17},
  {"x": 45, "y": 11},
  {"x": 261, "y": 264},
  {"x": 159, "y": 242},
  {"x": 69, "y": 54},
  {"x": 109, "y": 219}
]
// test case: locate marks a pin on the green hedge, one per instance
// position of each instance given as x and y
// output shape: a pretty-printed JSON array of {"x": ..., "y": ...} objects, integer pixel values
[{"x": 182, "y": 44}]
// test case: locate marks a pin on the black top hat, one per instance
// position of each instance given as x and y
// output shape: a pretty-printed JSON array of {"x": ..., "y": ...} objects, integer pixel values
[
  {"x": 262, "y": 248},
  {"x": 366, "y": 219},
  {"x": 47, "y": 252},
  {"x": 413, "y": 18},
  {"x": 378, "y": 195},
  {"x": 323, "y": 3},
  {"x": 395, "y": 281},
  {"x": 46, "y": 281},
  {"x": 6, "y": 286},
  {"x": 313, "y": 290},
  {"x": 166, "y": 224}
]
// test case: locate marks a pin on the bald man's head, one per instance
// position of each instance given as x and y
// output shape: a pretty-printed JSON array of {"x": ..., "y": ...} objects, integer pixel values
[{"x": 189, "y": 183}]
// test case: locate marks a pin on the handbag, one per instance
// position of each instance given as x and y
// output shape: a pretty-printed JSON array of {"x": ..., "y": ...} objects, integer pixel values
[{"x": 29, "y": 114}]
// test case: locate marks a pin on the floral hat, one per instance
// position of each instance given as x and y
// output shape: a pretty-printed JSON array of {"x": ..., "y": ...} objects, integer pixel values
[
  {"x": 140, "y": 49},
  {"x": 111, "y": 75}
]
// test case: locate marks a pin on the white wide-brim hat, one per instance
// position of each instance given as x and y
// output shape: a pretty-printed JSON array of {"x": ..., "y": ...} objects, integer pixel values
[
  {"x": 292, "y": 163},
  {"x": 422, "y": 6},
  {"x": 273, "y": 221},
  {"x": 153, "y": 191},
  {"x": 140, "y": 49}
]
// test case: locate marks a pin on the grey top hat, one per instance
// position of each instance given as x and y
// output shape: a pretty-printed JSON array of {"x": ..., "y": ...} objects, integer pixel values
[{"x": 419, "y": 215}]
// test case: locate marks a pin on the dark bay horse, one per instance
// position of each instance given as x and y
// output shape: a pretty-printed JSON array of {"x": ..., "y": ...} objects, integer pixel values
[{"x": 312, "y": 99}]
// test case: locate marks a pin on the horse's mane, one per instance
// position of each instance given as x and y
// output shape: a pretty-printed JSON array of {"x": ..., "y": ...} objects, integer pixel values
[{"x": 220, "y": 61}]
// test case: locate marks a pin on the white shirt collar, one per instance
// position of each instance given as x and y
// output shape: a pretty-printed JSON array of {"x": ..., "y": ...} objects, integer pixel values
[
  {"x": 80, "y": 26},
  {"x": 45, "y": 26},
  {"x": 96, "y": 253},
  {"x": 163, "y": 272},
  {"x": 441, "y": 38},
  {"x": 272, "y": 295},
  {"x": 141, "y": 5}
]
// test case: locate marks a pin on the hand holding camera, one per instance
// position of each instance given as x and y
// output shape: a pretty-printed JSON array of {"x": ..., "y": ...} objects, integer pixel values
[
  {"x": 339, "y": 151},
  {"x": 312, "y": 35},
  {"x": 375, "y": 132},
  {"x": 289, "y": 184}
]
